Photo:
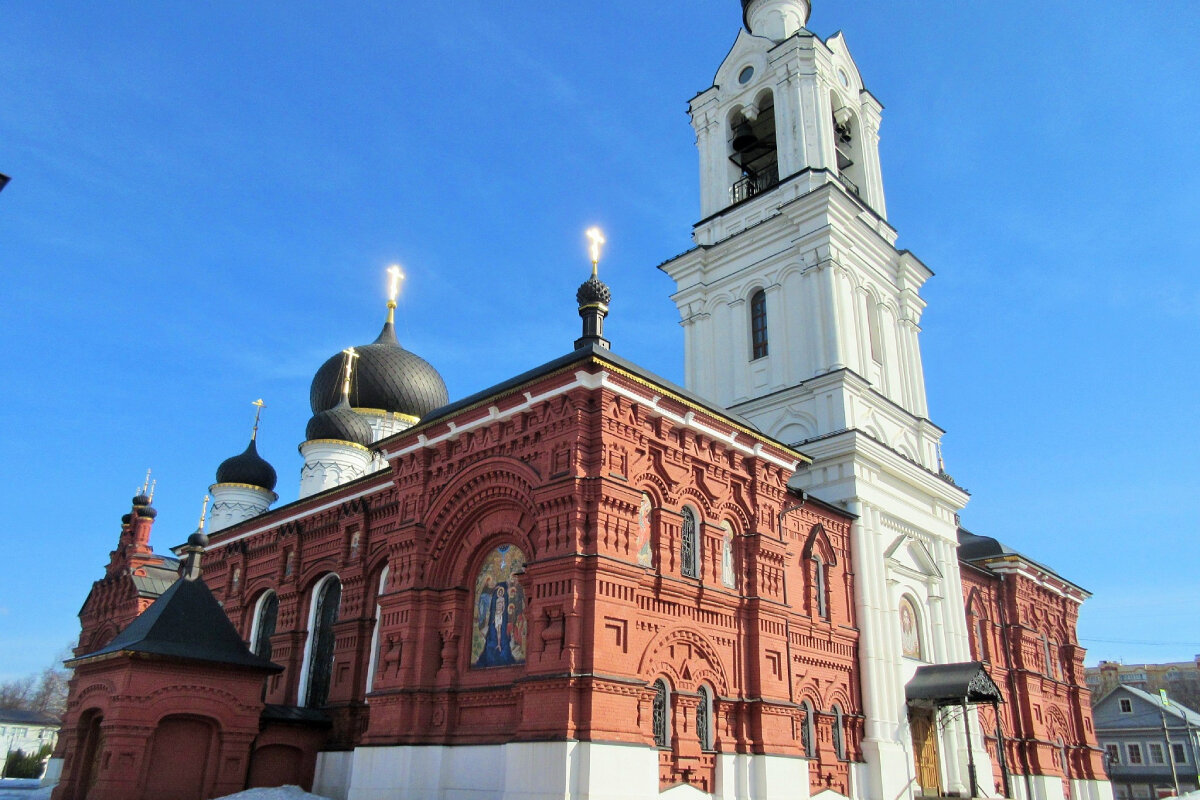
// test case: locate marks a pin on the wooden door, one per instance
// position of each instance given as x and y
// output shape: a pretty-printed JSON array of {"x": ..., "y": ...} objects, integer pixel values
[{"x": 923, "y": 727}]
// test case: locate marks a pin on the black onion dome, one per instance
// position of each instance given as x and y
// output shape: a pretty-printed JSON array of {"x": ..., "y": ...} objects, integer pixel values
[
  {"x": 198, "y": 539},
  {"x": 147, "y": 511},
  {"x": 141, "y": 500},
  {"x": 592, "y": 291},
  {"x": 341, "y": 423},
  {"x": 249, "y": 468},
  {"x": 385, "y": 377}
]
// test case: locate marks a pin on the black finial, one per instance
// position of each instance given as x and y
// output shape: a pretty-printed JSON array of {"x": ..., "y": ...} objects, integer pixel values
[
  {"x": 593, "y": 298},
  {"x": 189, "y": 565}
]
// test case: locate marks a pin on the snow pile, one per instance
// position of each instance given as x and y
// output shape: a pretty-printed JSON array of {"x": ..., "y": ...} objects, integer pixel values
[
  {"x": 10, "y": 790},
  {"x": 273, "y": 793}
]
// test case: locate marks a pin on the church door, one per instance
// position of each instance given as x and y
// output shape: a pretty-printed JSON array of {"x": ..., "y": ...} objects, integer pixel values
[{"x": 923, "y": 726}]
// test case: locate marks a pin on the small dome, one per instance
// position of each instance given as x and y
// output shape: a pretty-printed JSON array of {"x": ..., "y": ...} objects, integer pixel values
[
  {"x": 147, "y": 512},
  {"x": 248, "y": 467},
  {"x": 340, "y": 423},
  {"x": 593, "y": 290},
  {"x": 141, "y": 500},
  {"x": 126, "y": 519},
  {"x": 385, "y": 377},
  {"x": 198, "y": 539}
]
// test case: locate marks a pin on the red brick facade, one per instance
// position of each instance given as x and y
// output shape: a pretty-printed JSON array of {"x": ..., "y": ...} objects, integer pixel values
[
  {"x": 1022, "y": 623},
  {"x": 562, "y": 480}
]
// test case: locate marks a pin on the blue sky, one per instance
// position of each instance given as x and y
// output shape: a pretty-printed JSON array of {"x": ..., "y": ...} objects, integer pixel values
[{"x": 205, "y": 197}]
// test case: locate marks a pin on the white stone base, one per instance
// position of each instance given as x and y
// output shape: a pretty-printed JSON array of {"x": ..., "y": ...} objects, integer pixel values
[
  {"x": 1091, "y": 790},
  {"x": 547, "y": 771},
  {"x": 887, "y": 774},
  {"x": 756, "y": 777},
  {"x": 54, "y": 769},
  {"x": 333, "y": 774}
]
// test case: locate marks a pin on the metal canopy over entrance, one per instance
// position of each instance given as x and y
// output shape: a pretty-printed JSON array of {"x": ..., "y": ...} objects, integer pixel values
[{"x": 936, "y": 686}]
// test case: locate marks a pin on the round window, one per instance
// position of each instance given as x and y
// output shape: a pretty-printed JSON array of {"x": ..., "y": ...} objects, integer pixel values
[
  {"x": 745, "y": 75},
  {"x": 844, "y": 78}
]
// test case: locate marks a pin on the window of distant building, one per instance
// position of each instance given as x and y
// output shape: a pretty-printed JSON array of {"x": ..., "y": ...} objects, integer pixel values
[
  {"x": 1113, "y": 752},
  {"x": 1156, "y": 753},
  {"x": 1134, "y": 751},
  {"x": 1126, "y": 705},
  {"x": 758, "y": 324},
  {"x": 1179, "y": 753}
]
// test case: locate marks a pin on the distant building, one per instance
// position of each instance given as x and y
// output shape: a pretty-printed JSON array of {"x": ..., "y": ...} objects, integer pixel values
[
  {"x": 27, "y": 731},
  {"x": 1142, "y": 739},
  {"x": 1181, "y": 679}
]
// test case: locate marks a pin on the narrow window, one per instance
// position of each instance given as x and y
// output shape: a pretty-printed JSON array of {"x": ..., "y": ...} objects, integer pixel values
[
  {"x": 1179, "y": 754},
  {"x": 1135, "y": 753},
  {"x": 704, "y": 719},
  {"x": 1113, "y": 752},
  {"x": 326, "y": 599},
  {"x": 819, "y": 585},
  {"x": 376, "y": 643},
  {"x": 981, "y": 635},
  {"x": 1156, "y": 753},
  {"x": 809, "y": 729},
  {"x": 1126, "y": 705},
  {"x": 1049, "y": 659},
  {"x": 689, "y": 551},
  {"x": 839, "y": 736},
  {"x": 662, "y": 702},
  {"x": 758, "y": 324},
  {"x": 264, "y": 624}
]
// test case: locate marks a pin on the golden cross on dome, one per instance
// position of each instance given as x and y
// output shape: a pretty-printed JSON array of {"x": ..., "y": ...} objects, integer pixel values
[
  {"x": 145, "y": 483},
  {"x": 259, "y": 405},
  {"x": 203, "y": 513},
  {"x": 351, "y": 354},
  {"x": 153, "y": 483},
  {"x": 596, "y": 238},
  {"x": 395, "y": 275}
]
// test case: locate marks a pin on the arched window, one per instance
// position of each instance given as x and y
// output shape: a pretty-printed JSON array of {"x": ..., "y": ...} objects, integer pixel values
[
  {"x": 704, "y": 716},
  {"x": 728, "y": 574},
  {"x": 376, "y": 644},
  {"x": 910, "y": 630},
  {"x": 821, "y": 586},
  {"x": 758, "y": 324},
  {"x": 752, "y": 149},
  {"x": 318, "y": 666},
  {"x": 839, "y": 734},
  {"x": 689, "y": 547},
  {"x": 661, "y": 712},
  {"x": 265, "y": 617},
  {"x": 808, "y": 730}
]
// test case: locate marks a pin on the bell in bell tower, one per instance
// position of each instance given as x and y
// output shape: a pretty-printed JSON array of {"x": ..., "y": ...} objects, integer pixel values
[{"x": 784, "y": 103}]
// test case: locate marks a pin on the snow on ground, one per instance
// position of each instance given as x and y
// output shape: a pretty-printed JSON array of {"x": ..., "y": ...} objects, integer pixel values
[
  {"x": 275, "y": 793},
  {"x": 17, "y": 789}
]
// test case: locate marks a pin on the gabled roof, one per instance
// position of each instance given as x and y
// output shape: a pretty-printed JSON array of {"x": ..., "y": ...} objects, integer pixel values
[
  {"x": 23, "y": 717},
  {"x": 1175, "y": 710},
  {"x": 979, "y": 550},
  {"x": 185, "y": 622},
  {"x": 583, "y": 353}
]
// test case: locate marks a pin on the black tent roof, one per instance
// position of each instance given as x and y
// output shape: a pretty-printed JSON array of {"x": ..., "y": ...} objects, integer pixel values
[
  {"x": 950, "y": 684},
  {"x": 185, "y": 622}
]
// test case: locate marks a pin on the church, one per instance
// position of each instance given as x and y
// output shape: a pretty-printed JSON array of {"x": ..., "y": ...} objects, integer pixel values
[{"x": 588, "y": 582}]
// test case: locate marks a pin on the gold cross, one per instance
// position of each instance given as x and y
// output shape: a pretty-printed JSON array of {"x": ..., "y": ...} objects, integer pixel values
[
  {"x": 259, "y": 405},
  {"x": 596, "y": 238},
  {"x": 204, "y": 510}
]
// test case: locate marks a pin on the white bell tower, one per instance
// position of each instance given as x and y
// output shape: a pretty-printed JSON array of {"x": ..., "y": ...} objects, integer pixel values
[{"x": 800, "y": 314}]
